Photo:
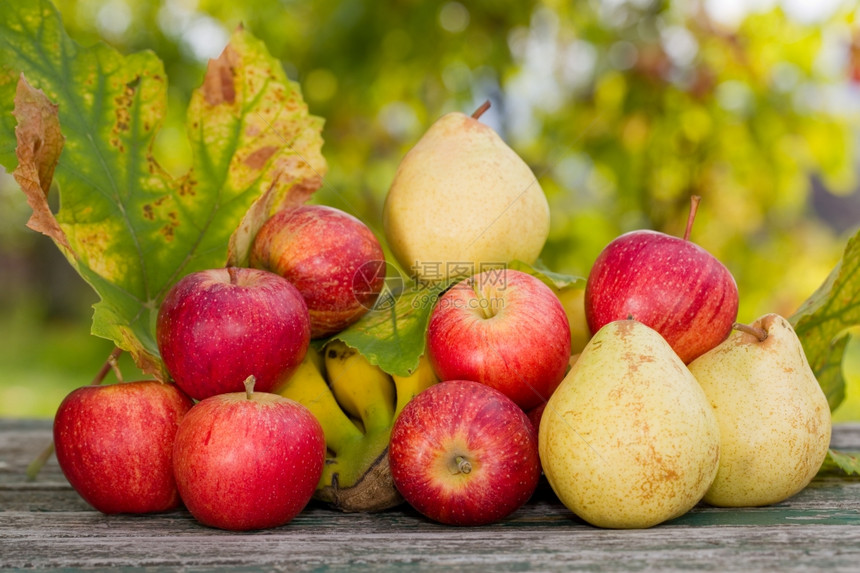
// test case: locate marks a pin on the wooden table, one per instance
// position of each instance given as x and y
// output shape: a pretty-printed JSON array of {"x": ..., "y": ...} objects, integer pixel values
[{"x": 44, "y": 525}]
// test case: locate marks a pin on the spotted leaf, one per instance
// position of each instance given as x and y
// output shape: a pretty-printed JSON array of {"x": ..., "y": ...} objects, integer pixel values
[{"x": 84, "y": 121}]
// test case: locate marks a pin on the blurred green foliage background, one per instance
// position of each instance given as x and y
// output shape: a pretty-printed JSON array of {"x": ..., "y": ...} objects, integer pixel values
[{"x": 624, "y": 109}]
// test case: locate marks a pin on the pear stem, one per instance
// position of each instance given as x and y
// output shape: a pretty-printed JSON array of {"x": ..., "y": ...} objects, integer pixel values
[
  {"x": 249, "y": 385},
  {"x": 757, "y": 331},
  {"x": 694, "y": 206},
  {"x": 480, "y": 111}
]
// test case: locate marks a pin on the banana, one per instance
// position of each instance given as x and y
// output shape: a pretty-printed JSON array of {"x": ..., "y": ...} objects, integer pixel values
[
  {"x": 354, "y": 402},
  {"x": 316, "y": 358},
  {"x": 408, "y": 386},
  {"x": 362, "y": 389},
  {"x": 308, "y": 387},
  {"x": 359, "y": 479}
]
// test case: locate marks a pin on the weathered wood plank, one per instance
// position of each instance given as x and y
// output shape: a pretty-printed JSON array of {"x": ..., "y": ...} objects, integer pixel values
[
  {"x": 832, "y": 502},
  {"x": 20, "y": 442},
  {"x": 304, "y": 545},
  {"x": 44, "y": 524}
]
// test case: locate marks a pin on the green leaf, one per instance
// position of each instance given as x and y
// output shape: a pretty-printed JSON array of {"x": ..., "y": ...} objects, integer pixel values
[
  {"x": 392, "y": 335},
  {"x": 129, "y": 228},
  {"x": 554, "y": 280},
  {"x": 841, "y": 462},
  {"x": 823, "y": 322}
]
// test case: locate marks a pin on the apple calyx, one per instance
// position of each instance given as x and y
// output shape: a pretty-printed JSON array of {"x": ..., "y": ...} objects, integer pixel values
[
  {"x": 481, "y": 109},
  {"x": 249, "y": 385},
  {"x": 462, "y": 465},
  {"x": 757, "y": 331},
  {"x": 694, "y": 206}
]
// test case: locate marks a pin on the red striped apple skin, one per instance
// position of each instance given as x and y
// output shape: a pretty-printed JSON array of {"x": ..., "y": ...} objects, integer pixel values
[
  {"x": 333, "y": 258},
  {"x": 248, "y": 461},
  {"x": 670, "y": 284},
  {"x": 217, "y": 327},
  {"x": 114, "y": 444},
  {"x": 505, "y": 329},
  {"x": 463, "y": 453}
]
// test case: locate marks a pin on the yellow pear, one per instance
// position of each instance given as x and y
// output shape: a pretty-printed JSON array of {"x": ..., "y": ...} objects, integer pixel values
[
  {"x": 628, "y": 440},
  {"x": 573, "y": 300},
  {"x": 774, "y": 418},
  {"x": 462, "y": 201}
]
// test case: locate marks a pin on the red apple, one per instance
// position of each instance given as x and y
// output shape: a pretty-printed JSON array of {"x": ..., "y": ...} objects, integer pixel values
[
  {"x": 462, "y": 453},
  {"x": 668, "y": 283},
  {"x": 217, "y": 327},
  {"x": 503, "y": 328},
  {"x": 115, "y": 444},
  {"x": 535, "y": 414},
  {"x": 333, "y": 258},
  {"x": 248, "y": 460}
]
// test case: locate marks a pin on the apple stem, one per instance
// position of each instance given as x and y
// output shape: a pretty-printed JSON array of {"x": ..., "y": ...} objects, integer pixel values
[
  {"x": 757, "y": 331},
  {"x": 110, "y": 364},
  {"x": 37, "y": 464},
  {"x": 113, "y": 365},
  {"x": 694, "y": 206},
  {"x": 485, "y": 305},
  {"x": 463, "y": 465},
  {"x": 249, "y": 385},
  {"x": 480, "y": 111}
]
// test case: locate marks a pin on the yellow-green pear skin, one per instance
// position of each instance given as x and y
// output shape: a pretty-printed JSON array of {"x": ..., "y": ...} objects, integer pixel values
[
  {"x": 573, "y": 300},
  {"x": 462, "y": 200},
  {"x": 628, "y": 440},
  {"x": 774, "y": 418}
]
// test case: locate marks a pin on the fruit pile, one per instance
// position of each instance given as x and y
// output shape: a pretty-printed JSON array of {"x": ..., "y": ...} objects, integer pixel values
[{"x": 668, "y": 404}]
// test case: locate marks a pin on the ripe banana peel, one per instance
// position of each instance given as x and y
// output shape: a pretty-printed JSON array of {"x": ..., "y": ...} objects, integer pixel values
[
  {"x": 363, "y": 389},
  {"x": 356, "y": 403}
]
